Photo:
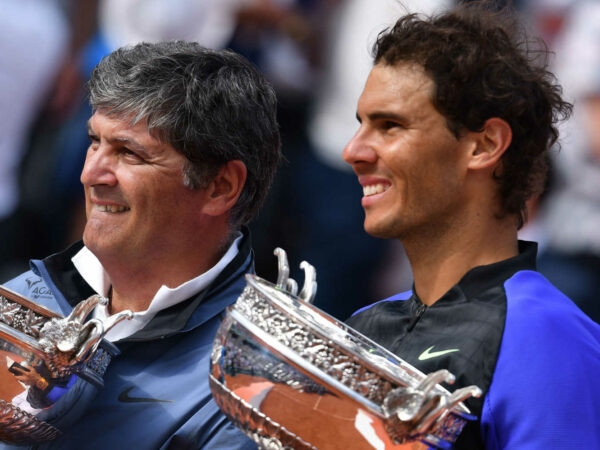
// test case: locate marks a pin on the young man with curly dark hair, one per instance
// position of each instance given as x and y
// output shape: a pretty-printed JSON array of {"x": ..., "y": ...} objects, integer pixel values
[{"x": 457, "y": 118}]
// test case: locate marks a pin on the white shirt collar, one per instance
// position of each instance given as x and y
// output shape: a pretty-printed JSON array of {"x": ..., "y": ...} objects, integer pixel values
[{"x": 90, "y": 268}]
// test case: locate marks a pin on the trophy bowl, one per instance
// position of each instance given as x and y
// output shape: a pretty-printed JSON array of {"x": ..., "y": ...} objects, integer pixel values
[
  {"x": 290, "y": 376},
  {"x": 42, "y": 356}
]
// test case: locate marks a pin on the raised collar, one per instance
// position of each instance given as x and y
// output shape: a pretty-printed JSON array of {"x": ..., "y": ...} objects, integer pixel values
[{"x": 481, "y": 278}]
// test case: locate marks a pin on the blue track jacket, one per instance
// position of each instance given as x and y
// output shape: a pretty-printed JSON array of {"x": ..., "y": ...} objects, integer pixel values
[{"x": 156, "y": 393}]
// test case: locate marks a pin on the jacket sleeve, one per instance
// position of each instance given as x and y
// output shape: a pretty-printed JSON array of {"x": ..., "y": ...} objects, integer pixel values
[{"x": 545, "y": 391}]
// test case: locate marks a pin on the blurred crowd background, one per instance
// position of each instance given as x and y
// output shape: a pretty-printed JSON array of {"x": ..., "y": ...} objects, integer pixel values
[{"x": 317, "y": 55}]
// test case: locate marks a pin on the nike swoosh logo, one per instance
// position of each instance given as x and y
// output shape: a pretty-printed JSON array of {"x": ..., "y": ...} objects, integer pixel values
[
  {"x": 428, "y": 354},
  {"x": 124, "y": 397}
]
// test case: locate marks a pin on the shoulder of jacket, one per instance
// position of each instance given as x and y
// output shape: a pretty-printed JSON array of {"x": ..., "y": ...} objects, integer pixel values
[{"x": 33, "y": 287}]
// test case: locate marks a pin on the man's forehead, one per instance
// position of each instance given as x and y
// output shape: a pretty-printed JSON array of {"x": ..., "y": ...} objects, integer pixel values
[
  {"x": 403, "y": 76},
  {"x": 398, "y": 86},
  {"x": 121, "y": 131},
  {"x": 123, "y": 126}
]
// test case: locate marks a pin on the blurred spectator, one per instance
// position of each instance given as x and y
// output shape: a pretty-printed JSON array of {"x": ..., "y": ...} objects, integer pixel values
[
  {"x": 545, "y": 17},
  {"x": 284, "y": 38},
  {"x": 34, "y": 40},
  {"x": 570, "y": 215}
]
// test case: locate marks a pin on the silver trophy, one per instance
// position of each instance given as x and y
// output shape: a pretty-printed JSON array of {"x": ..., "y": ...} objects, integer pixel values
[
  {"x": 292, "y": 377},
  {"x": 42, "y": 356}
]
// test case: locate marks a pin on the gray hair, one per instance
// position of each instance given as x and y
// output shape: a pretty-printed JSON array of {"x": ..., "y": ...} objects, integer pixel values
[{"x": 211, "y": 106}]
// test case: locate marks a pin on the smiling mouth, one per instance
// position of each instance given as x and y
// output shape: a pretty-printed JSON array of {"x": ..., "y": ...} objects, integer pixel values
[
  {"x": 111, "y": 208},
  {"x": 373, "y": 189}
]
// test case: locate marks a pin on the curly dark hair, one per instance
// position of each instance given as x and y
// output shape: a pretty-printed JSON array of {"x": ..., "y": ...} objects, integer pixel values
[{"x": 484, "y": 65}]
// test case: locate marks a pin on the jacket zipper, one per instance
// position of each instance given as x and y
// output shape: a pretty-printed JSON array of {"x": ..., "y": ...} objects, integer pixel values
[{"x": 418, "y": 314}]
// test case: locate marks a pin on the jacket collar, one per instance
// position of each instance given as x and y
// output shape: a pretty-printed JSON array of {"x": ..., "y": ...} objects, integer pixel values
[
  {"x": 481, "y": 278},
  {"x": 184, "y": 315}
]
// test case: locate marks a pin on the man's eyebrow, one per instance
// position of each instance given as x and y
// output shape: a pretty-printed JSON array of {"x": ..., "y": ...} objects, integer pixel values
[
  {"x": 383, "y": 115},
  {"x": 386, "y": 115},
  {"x": 125, "y": 141}
]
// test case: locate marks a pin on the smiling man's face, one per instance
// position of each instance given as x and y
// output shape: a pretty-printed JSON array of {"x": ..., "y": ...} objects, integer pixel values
[
  {"x": 136, "y": 203},
  {"x": 408, "y": 162}
]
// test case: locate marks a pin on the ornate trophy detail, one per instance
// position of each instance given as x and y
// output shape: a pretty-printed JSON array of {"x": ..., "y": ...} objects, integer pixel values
[
  {"x": 292, "y": 377},
  {"x": 69, "y": 342},
  {"x": 42, "y": 355}
]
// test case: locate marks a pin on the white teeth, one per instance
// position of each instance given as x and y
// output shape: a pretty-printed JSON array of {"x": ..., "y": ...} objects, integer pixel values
[
  {"x": 373, "y": 189},
  {"x": 112, "y": 208}
]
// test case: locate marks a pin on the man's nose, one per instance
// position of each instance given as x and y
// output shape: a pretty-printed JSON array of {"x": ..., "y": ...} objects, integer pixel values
[
  {"x": 358, "y": 149},
  {"x": 99, "y": 167}
]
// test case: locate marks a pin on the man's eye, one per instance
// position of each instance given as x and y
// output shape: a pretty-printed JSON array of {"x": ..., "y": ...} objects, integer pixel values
[
  {"x": 130, "y": 155},
  {"x": 388, "y": 125},
  {"x": 94, "y": 141}
]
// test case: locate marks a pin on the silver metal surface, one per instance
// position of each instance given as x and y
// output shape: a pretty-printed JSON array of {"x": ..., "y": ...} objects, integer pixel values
[
  {"x": 40, "y": 352},
  {"x": 293, "y": 377}
]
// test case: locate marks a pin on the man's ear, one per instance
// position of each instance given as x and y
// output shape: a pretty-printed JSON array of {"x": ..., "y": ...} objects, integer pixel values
[
  {"x": 225, "y": 188},
  {"x": 491, "y": 143}
]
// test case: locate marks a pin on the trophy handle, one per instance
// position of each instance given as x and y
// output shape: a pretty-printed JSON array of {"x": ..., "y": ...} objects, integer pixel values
[{"x": 97, "y": 330}]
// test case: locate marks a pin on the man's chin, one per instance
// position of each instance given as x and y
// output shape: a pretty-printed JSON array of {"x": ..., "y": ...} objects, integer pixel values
[
  {"x": 97, "y": 245},
  {"x": 380, "y": 229},
  {"x": 375, "y": 231}
]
